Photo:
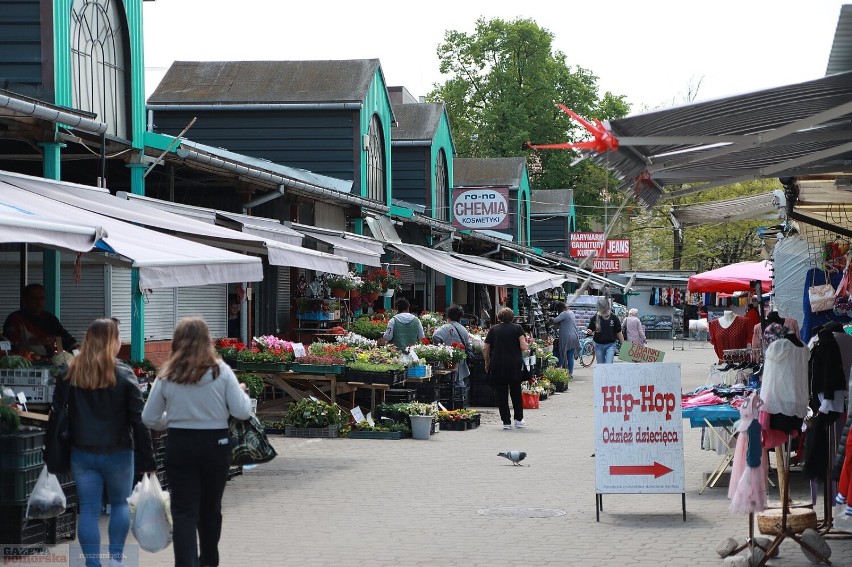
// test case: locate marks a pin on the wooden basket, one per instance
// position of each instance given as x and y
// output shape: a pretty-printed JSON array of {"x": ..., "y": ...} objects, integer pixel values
[{"x": 798, "y": 520}]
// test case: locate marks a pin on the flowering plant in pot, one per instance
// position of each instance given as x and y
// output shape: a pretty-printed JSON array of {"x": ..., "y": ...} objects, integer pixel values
[
  {"x": 340, "y": 285},
  {"x": 321, "y": 360},
  {"x": 311, "y": 413},
  {"x": 228, "y": 349},
  {"x": 369, "y": 327},
  {"x": 387, "y": 279}
]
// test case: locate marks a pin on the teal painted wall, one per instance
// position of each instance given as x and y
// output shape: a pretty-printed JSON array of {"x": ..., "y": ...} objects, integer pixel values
[
  {"x": 378, "y": 103},
  {"x": 443, "y": 140},
  {"x": 523, "y": 195}
]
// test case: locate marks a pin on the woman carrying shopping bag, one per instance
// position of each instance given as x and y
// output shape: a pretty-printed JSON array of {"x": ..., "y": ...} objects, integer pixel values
[
  {"x": 193, "y": 397},
  {"x": 105, "y": 407}
]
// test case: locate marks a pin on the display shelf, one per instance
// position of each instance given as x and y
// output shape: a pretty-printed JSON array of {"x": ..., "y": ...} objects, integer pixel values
[{"x": 312, "y": 322}]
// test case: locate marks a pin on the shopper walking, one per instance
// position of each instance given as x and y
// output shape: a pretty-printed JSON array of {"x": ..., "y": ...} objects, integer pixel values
[
  {"x": 504, "y": 346},
  {"x": 105, "y": 408},
  {"x": 193, "y": 397},
  {"x": 454, "y": 332},
  {"x": 606, "y": 329},
  {"x": 634, "y": 331},
  {"x": 569, "y": 336}
]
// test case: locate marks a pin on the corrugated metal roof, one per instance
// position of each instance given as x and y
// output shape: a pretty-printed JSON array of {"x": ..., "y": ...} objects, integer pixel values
[
  {"x": 551, "y": 201},
  {"x": 840, "y": 58},
  {"x": 485, "y": 172},
  {"x": 416, "y": 122},
  {"x": 245, "y": 82},
  {"x": 742, "y": 208},
  {"x": 763, "y": 133}
]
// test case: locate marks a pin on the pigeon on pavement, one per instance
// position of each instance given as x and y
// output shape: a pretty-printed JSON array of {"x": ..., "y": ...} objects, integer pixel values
[{"x": 515, "y": 456}]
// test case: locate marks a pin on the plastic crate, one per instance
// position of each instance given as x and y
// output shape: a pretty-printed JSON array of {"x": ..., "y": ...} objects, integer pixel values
[
  {"x": 22, "y": 441},
  {"x": 62, "y": 527},
  {"x": 397, "y": 396},
  {"x": 376, "y": 435},
  {"x": 21, "y": 459},
  {"x": 16, "y": 529},
  {"x": 422, "y": 371},
  {"x": 16, "y": 486},
  {"x": 317, "y": 368},
  {"x": 35, "y": 394},
  {"x": 36, "y": 376},
  {"x": 390, "y": 378},
  {"x": 329, "y": 432}
]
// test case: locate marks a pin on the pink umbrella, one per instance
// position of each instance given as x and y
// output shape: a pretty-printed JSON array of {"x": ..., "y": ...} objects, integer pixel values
[{"x": 728, "y": 279}]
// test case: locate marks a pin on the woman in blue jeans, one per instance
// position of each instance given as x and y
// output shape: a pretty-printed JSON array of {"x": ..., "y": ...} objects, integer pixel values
[
  {"x": 606, "y": 328},
  {"x": 105, "y": 406},
  {"x": 194, "y": 395}
]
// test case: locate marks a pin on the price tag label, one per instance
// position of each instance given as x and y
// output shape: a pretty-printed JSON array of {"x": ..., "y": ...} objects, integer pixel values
[
  {"x": 441, "y": 407},
  {"x": 5, "y": 345},
  {"x": 22, "y": 399},
  {"x": 299, "y": 350},
  {"x": 370, "y": 419},
  {"x": 358, "y": 414}
]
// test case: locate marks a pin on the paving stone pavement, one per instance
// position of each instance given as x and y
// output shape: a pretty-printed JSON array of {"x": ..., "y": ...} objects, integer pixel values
[{"x": 331, "y": 502}]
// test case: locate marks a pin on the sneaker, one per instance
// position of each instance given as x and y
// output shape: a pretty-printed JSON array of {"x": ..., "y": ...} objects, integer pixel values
[
  {"x": 840, "y": 499},
  {"x": 507, "y": 426},
  {"x": 520, "y": 424},
  {"x": 116, "y": 563}
]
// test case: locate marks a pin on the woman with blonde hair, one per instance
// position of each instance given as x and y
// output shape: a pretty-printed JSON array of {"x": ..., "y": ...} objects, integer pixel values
[
  {"x": 105, "y": 408},
  {"x": 194, "y": 395}
]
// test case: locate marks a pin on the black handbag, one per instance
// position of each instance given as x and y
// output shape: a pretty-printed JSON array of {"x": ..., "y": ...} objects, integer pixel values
[
  {"x": 57, "y": 445},
  {"x": 249, "y": 442}
]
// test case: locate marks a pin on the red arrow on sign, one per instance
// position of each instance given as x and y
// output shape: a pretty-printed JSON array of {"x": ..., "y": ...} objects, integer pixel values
[{"x": 656, "y": 469}]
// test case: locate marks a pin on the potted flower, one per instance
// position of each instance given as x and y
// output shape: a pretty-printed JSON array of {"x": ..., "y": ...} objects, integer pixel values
[
  {"x": 268, "y": 353},
  {"x": 319, "y": 364},
  {"x": 370, "y": 288},
  {"x": 421, "y": 417},
  {"x": 530, "y": 394},
  {"x": 341, "y": 285},
  {"x": 228, "y": 349},
  {"x": 559, "y": 377},
  {"x": 364, "y": 430},
  {"x": 388, "y": 279},
  {"x": 253, "y": 382},
  {"x": 310, "y": 417},
  {"x": 369, "y": 327}
]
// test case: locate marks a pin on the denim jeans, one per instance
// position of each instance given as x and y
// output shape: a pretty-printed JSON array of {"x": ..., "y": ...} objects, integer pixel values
[
  {"x": 604, "y": 353},
  {"x": 93, "y": 472},
  {"x": 197, "y": 462},
  {"x": 569, "y": 362}
]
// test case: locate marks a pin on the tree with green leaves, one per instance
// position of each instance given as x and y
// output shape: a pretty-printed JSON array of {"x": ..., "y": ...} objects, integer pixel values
[{"x": 505, "y": 81}]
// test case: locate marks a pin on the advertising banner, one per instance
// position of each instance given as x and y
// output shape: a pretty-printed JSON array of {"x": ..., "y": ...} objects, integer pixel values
[
  {"x": 638, "y": 429},
  {"x": 584, "y": 243},
  {"x": 481, "y": 207},
  {"x": 606, "y": 265},
  {"x": 617, "y": 248}
]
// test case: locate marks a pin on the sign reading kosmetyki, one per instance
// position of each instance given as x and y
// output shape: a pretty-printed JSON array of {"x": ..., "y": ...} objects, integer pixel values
[
  {"x": 481, "y": 207},
  {"x": 638, "y": 429}
]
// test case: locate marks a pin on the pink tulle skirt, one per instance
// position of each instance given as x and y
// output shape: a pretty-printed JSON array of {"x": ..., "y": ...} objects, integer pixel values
[{"x": 739, "y": 464}]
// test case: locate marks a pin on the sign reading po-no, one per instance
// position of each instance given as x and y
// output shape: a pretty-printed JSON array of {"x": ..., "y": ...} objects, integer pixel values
[{"x": 481, "y": 207}]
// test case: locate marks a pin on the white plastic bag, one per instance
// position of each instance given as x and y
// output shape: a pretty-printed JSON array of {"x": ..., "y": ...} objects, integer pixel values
[
  {"x": 150, "y": 518},
  {"x": 47, "y": 499}
]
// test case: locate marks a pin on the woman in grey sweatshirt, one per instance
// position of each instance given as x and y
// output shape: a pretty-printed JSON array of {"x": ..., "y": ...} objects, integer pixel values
[{"x": 193, "y": 397}]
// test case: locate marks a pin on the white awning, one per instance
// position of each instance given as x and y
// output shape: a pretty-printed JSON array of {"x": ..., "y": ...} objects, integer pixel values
[
  {"x": 17, "y": 226},
  {"x": 162, "y": 260},
  {"x": 269, "y": 229},
  {"x": 344, "y": 245},
  {"x": 187, "y": 223},
  {"x": 474, "y": 269}
]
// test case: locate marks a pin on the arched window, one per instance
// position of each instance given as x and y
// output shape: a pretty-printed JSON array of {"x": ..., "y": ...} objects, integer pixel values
[
  {"x": 442, "y": 183},
  {"x": 98, "y": 63},
  {"x": 376, "y": 162}
]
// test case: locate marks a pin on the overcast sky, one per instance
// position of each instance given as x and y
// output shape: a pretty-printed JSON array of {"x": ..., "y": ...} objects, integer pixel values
[{"x": 649, "y": 50}]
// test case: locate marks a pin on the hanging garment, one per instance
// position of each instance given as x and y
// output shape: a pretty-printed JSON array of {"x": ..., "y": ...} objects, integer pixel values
[
  {"x": 826, "y": 366},
  {"x": 784, "y": 388},
  {"x": 651, "y": 298},
  {"x": 817, "y": 451},
  {"x": 747, "y": 488},
  {"x": 734, "y": 336}
]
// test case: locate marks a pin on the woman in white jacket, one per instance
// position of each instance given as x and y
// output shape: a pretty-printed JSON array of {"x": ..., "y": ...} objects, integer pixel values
[{"x": 193, "y": 397}]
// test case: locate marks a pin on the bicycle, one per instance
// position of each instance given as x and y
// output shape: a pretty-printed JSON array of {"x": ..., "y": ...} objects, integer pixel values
[{"x": 586, "y": 354}]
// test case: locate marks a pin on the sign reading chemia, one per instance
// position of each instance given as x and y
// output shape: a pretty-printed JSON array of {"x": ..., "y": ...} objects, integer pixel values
[{"x": 483, "y": 208}]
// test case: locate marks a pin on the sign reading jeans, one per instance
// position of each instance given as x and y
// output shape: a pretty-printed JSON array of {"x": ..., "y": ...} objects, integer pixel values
[{"x": 638, "y": 429}]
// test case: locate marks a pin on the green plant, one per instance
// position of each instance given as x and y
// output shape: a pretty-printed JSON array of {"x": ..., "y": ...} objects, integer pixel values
[
  {"x": 10, "y": 421},
  {"x": 253, "y": 382},
  {"x": 419, "y": 408},
  {"x": 255, "y": 355},
  {"x": 370, "y": 286},
  {"x": 369, "y": 328},
  {"x": 374, "y": 367},
  {"x": 557, "y": 376},
  {"x": 310, "y": 412}
]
